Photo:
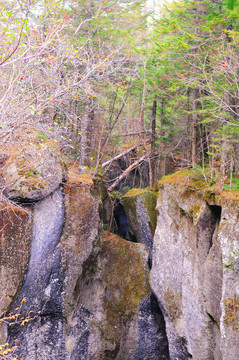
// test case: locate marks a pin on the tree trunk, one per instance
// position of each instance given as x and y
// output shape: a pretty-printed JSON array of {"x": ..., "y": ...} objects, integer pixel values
[
  {"x": 89, "y": 133},
  {"x": 195, "y": 125},
  {"x": 86, "y": 121},
  {"x": 153, "y": 139},
  {"x": 141, "y": 115}
]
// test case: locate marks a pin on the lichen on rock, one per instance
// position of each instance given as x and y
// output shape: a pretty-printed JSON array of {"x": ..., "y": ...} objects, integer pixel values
[
  {"x": 32, "y": 166},
  {"x": 195, "y": 269},
  {"x": 15, "y": 235},
  {"x": 110, "y": 290},
  {"x": 140, "y": 207}
]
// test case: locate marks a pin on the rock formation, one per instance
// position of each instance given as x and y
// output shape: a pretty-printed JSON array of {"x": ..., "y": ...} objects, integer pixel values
[
  {"x": 75, "y": 292},
  {"x": 195, "y": 271},
  {"x": 70, "y": 290}
]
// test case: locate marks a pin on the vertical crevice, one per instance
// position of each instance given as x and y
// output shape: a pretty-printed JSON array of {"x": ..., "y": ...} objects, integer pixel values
[
  {"x": 153, "y": 341},
  {"x": 216, "y": 211},
  {"x": 121, "y": 225}
]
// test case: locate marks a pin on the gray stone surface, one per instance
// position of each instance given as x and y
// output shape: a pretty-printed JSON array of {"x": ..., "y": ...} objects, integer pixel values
[
  {"x": 187, "y": 273},
  {"x": 140, "y": 207},
  {"x": 152, "y": 341},
  {"x": 42, "y": 337},
  {"x": 32, "y": 165},
  {"x": 228, "y": 236},
  {"x": 104, "y": 321},
  {"x": 86, "y": 296}
]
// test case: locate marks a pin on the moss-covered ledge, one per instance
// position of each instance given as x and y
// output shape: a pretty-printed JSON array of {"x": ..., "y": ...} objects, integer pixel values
[{"x": 190, "y": 183}]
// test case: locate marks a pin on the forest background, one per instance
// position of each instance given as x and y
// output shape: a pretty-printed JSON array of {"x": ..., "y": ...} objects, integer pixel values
[{"x": 105, "y": 77}]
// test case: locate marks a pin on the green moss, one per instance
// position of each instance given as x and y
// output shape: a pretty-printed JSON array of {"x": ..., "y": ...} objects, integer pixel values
[
  {"x": 196, "y": 210},
  {"x": 149, "y": 200},
  {"x": 126, "y": 280},
  {"x": 130, "y": 206},
  {"x": 42, "y": 136},
  {"x": 134, "y": 192},
  {"x": 178, "y": 177},
  {"x": 199, "y": 180},
  {"x": 41, "y": 186},
  {"x": 28, "y": 172}
]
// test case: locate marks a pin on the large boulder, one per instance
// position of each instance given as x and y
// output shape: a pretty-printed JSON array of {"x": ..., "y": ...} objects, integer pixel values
[
  {"x": 104, "y": 323},
  {"x": 31, "y": 165}
]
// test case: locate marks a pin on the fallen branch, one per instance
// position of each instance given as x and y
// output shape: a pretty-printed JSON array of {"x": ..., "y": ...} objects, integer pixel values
[
  {"x": 126, "y": 172},
  {"x": 123, "y": 153}
]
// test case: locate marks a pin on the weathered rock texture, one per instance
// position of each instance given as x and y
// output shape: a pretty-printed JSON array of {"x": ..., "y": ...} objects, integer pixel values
[
  {"x": 31, "y": 165},
  {"x": 191, "y": 275},
  {"x": 228, "y": 236},
  {"x": 140, "y": 207},
  {"x": 83, "y": 296},
  {"x": 15, "y": 231},
  {"x": 43, "y": 337},
  {"x": 103, "y": 324}
]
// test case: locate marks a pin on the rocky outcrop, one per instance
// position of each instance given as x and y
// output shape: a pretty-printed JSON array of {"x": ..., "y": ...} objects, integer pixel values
[
  {"x": 70, "y": 291},
  {"x": 43, "y": 336},
  {"x": 81, "y": 235},
  {"x": 195, "y": 271},
  {"x": 229, "y": 304},
  {"x": 31, "y": 165},
  {"x": 83, "y": 295}
]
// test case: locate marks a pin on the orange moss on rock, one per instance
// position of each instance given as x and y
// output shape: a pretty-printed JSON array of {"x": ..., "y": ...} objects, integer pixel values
[
  {"x": 231, "y": 317},
  {"x": 15, "y": 234},
  {"x": 213, "y": 194},
  {"x": 75, "y": 178}
]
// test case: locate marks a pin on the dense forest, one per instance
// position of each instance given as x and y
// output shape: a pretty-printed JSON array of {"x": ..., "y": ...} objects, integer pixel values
[{"x": 106, "y": 77}]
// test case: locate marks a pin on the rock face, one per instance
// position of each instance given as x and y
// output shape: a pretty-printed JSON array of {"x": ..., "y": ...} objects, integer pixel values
[
  {"x": 84, "y": 295},
  {"x": 195, "y": 273},
  {"x": 32, "y": 166},
  {"x": 15, "y": 231},
  {"x": 103, "y": 324},
  {"x": 140, "y": 207},
  {"x": 229, "y": 241},
  {"x": 43, "y": 336},
  {"x": 70, "y": 291}
]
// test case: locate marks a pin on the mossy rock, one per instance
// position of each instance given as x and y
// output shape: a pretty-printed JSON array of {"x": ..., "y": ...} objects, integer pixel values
[
  {"x": 133, "y": 200},
  {"x": 126, "y": 279},
  {"x": 33, "y": 166}
]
